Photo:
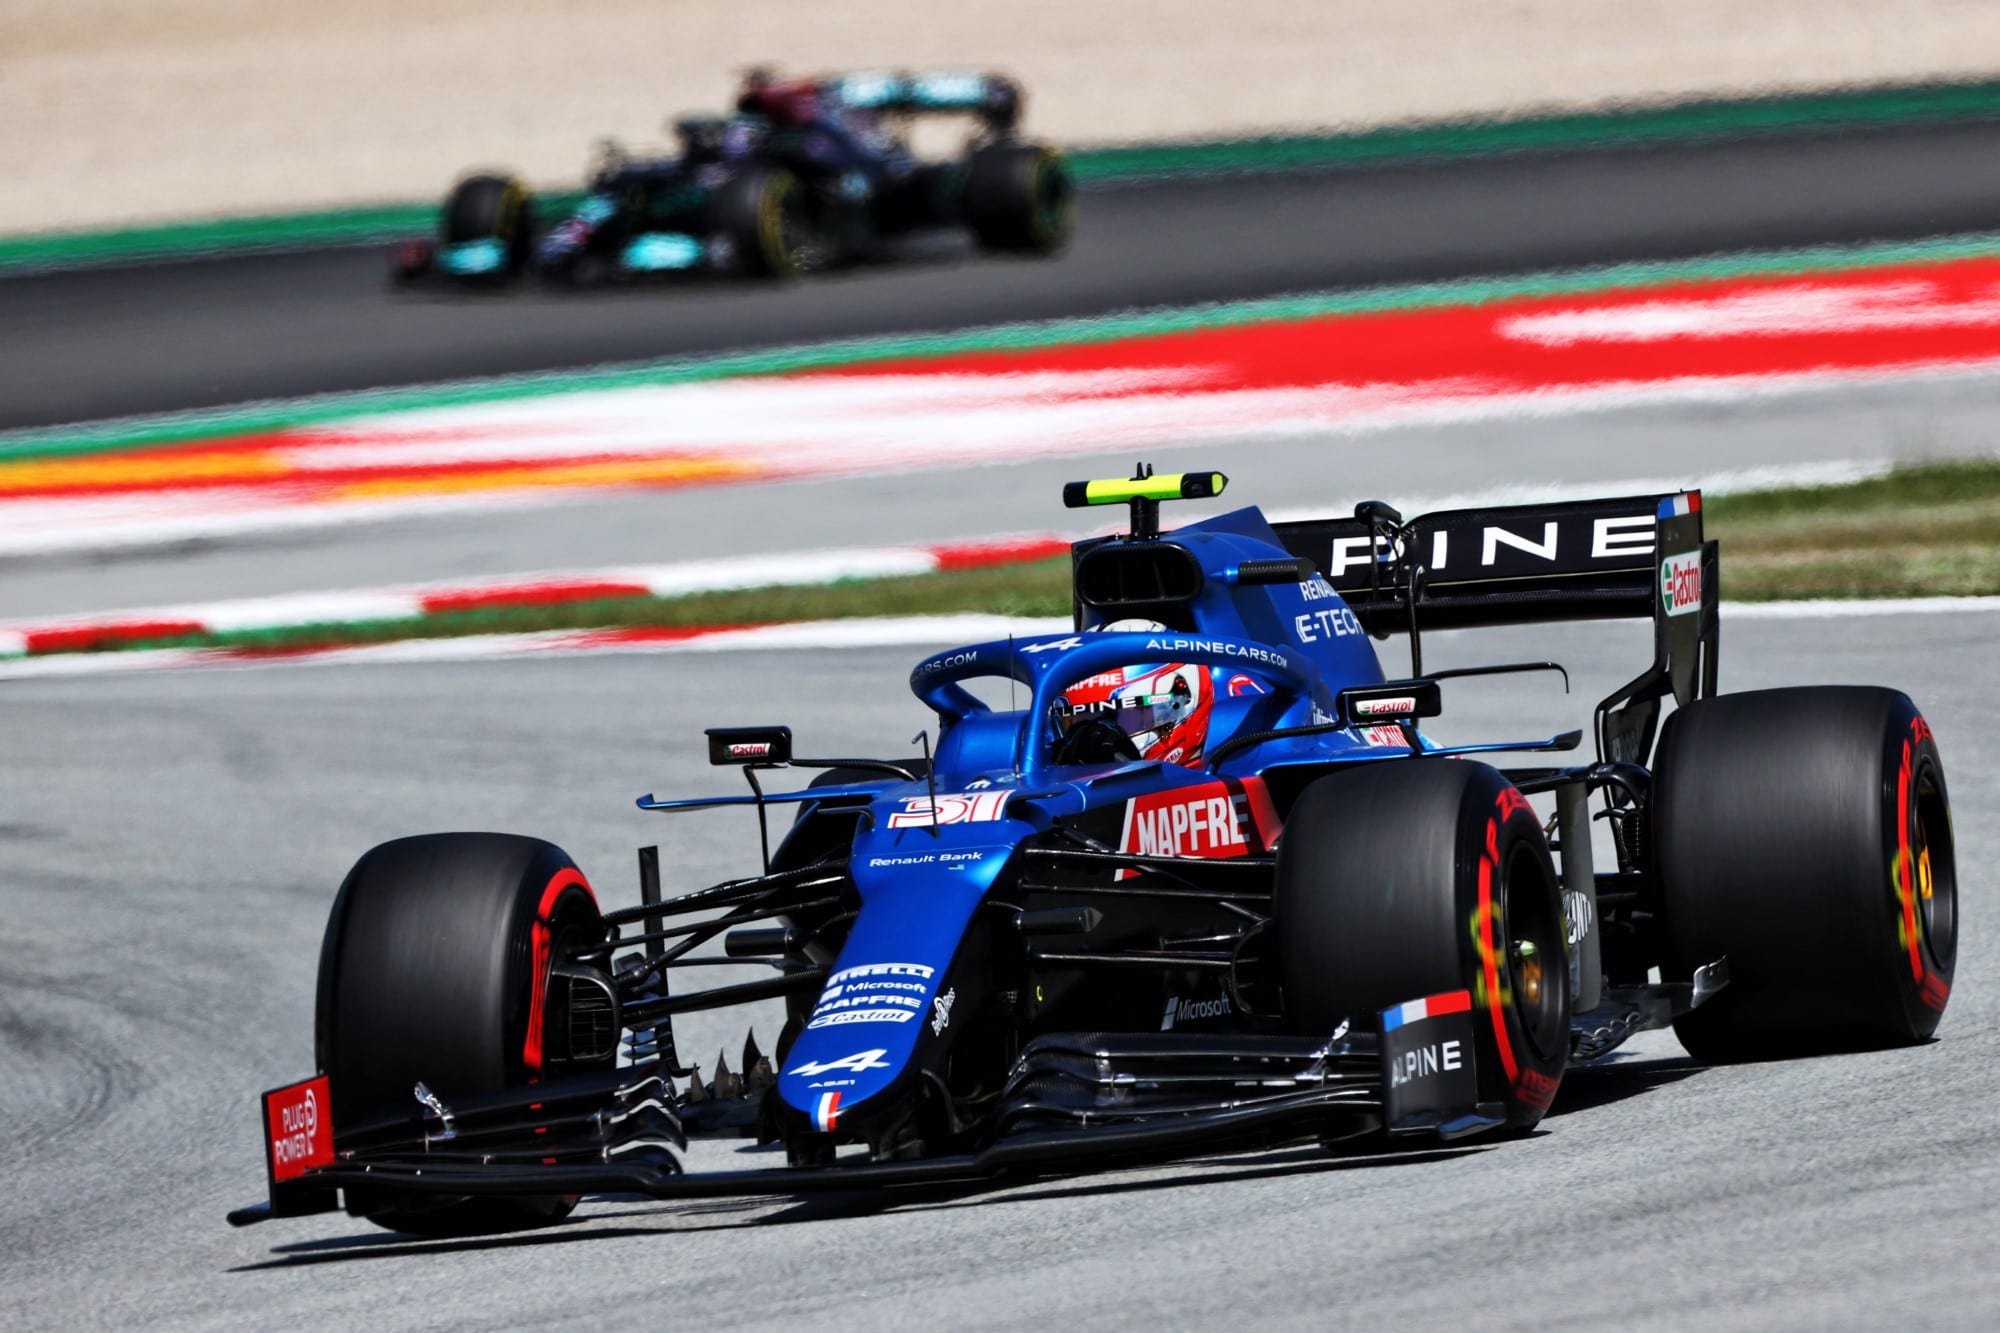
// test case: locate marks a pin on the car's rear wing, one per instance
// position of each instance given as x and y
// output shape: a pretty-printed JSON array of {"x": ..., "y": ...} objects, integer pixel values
[
  {"x": 994, "y": 98},
  {"x": 1632, "y": 557}
]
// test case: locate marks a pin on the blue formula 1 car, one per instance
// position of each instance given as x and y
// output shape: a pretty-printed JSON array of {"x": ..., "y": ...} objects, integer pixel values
[
  {"x": 802, "y": 174},
  {"x": 1211, "y": 886}
]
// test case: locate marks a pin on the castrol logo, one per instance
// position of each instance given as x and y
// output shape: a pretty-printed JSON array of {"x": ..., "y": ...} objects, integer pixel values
[{"x": 1680, "y": 583}]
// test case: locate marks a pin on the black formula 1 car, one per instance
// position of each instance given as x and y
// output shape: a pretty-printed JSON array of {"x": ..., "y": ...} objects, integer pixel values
[
  {"x": 802, "y": 175},
  {"x": 1208, "y": 885}
]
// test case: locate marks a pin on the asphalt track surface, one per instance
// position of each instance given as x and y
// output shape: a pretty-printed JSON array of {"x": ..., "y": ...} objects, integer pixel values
[
  {"x": 93, "y": 344},
  {"x": 172, "y": 843}
]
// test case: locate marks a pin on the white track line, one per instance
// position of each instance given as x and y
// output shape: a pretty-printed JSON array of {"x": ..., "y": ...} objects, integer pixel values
[{"x": 1858, "y": 606}]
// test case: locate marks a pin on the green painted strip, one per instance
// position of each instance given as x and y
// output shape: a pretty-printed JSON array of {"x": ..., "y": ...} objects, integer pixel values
[
  {"x": 1684, "y": 120},
  {"x": 1840, "y": 109},
  {"x": 256, "y": 418},
  {"x": 294, "y": 231},
  {"x": 239, "y": 235}
]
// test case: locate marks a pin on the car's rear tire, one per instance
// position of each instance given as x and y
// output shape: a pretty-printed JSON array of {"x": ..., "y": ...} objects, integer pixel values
[
  {"x": 762, "y": 213},
  {"x": 1805, "y": 835},
  {"x": 1407, "y": 878},
  {"x": 1020, "y": 197},
  {"x": 435, "y": 968},
  {"x": 493, "y": 208}
]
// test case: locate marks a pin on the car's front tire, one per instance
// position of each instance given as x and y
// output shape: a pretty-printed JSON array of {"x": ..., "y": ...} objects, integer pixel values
[
  {"x": 1805, "y": 835},
  {"x": 1407, "y": 878},
  {"x": 492, "y": 208},
  {"x": 435, "y": 969},
  {"x": 762, "y": 213}
]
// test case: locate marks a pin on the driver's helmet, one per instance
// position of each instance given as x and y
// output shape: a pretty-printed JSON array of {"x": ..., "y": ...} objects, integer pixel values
[{"x": 1163, "y": 707}]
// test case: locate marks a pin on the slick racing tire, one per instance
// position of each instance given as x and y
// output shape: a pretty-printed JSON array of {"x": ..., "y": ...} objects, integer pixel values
[
  {"x": 435, "y": 968},
  {"x": 1805, "y": 835},
  {"x": 497, "y": 208},
  {"x": 1408, "y": 878},
  {"x": 1020, "y": 198},
  {"x": 761, "y": 212}
]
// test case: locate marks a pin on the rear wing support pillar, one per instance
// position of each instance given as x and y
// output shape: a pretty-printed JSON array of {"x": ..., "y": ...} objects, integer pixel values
[{"x": 1579, "y": 892}]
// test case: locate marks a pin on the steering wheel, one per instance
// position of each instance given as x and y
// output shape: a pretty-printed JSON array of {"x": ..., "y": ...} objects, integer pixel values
[{"x": 1094, "y": 741}]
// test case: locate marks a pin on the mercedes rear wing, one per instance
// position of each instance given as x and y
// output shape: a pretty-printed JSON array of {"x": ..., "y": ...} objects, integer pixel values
[{"x": 1634, "y": 557}]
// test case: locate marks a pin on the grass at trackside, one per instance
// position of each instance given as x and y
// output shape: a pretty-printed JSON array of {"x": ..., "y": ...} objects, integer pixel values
[
  {"x": 1921, "y": 531},
  {"x": 1908, "y": 490},
  {"x": 1927, "y": 530}
]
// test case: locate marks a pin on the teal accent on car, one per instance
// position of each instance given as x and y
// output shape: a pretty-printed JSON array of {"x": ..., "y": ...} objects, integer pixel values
[
  {"x": 483, "y": 256},
  {"x": 872, "y": 88},
  {"x": 658, "y": 251},
  {"x": 949, "y": 90}
]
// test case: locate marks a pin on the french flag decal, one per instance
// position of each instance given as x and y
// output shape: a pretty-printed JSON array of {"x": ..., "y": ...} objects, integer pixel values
[
  {"x": 826, "y": 1112},
  {"x": 1679, "y": 506},
  {"x": 1432, "y": 1006}
]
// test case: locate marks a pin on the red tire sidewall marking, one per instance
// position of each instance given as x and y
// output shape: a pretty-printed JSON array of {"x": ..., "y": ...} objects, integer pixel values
[
  {"x": 1932, "y": 988},
  {"x": 1905, "y": 877},
  {"x": 1489, "y": 955},
  {"x": 1531, "y": 1086},
  {"x": 541, "y": 940}
]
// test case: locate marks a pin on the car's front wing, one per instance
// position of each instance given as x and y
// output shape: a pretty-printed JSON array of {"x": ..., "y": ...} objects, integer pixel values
[{"x": 1074, "y": 1101}]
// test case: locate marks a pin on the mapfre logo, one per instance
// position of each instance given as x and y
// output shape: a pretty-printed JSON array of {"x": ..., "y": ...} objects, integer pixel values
[
  {"x": 1197, "y": 826},
  {"x": 1215, "y": 820},
  {"x": 1680, "y": 583}
]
